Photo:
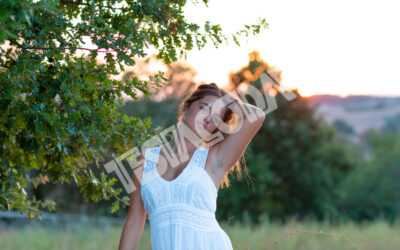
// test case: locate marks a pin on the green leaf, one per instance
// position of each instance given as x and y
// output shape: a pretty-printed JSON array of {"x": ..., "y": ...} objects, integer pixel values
[
  {"x": 115, "y": 206},
  {"x": 48, "y": 57}
]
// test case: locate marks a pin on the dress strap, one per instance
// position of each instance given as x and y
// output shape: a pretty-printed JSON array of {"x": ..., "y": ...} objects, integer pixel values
[{"x": 203, "y": 153}]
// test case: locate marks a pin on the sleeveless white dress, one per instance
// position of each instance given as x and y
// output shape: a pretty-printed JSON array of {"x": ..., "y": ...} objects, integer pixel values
[{"x": 182, "y": 211}]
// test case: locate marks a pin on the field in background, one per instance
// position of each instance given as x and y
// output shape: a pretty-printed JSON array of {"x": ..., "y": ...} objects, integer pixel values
[
  {"x": 360, "y": 112},
  {"x": 377, "y": 235}
]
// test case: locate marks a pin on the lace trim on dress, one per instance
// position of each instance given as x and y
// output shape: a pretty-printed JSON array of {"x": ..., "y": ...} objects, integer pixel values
[{"x": 184, "y": 214}]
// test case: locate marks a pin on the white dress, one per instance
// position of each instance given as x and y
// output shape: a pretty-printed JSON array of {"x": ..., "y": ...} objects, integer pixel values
[{"x": 182, "y": 211}]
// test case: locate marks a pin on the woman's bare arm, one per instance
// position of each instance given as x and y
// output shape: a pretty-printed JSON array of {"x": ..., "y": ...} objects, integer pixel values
[
  {"x": 136, "y": 218},
  {"x": 233, "y": 145}
]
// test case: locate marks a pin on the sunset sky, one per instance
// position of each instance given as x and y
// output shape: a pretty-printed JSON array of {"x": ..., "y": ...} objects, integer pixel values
[{"x": 322, "y": 47}]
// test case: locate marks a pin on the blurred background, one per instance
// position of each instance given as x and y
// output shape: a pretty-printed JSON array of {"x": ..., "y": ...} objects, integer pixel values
[{"x": 324, "y": 167}]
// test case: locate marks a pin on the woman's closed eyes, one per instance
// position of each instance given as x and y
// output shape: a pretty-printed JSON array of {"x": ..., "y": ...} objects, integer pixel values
[{"x": 207, "y": 109}]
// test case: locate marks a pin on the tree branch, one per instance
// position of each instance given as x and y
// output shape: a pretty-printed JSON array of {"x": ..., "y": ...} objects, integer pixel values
[
  {"x": 61, "y": 48},
  {"x": 74, "y": 3}
]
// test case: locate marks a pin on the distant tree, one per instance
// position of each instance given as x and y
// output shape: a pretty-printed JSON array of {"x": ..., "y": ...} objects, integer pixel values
[
  {"x": 392, "y": 124},
  {"x": 296, "y": 159},
  {"x": 342, "y": 127},
  {"x": 180, "y": 78},
  {"x": 372, "y": 190},
  {"x": 59, "y": 107},
  {"x": 250, "y": 74}
]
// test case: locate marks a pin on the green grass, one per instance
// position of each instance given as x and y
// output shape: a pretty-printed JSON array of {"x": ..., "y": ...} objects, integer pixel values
[{"x": 293, "y": 235}]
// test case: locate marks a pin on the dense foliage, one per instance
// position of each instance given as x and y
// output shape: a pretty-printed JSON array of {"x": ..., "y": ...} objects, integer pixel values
[{"x": 59, "y": 104}]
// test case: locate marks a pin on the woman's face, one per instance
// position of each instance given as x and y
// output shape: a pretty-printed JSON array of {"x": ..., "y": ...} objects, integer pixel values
[{"x": 200, "y": 118}]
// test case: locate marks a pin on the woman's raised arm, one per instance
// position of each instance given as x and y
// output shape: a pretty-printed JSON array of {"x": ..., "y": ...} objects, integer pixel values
[{"x": 233, "y": 145}]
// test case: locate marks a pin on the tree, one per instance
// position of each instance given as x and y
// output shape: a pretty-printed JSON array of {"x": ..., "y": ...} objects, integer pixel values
[
  {"x": 297, "y": 159},
  {"x": 179, "y": 74},
  {"x": 372, "y": 190},
  {"x": 392, "y": 124},
  {"x": 59, "y": 108},
  {"x": 342, "y": 127}
]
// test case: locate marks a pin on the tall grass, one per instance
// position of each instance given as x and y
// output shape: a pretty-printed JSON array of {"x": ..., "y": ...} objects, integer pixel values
[
  {"x": 293, "y": 235},
  {"x": 314, "y": 235}
]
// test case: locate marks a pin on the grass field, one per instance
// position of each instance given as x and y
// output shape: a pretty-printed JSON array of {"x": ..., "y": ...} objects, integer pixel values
[{"x": 294, "y": 235}]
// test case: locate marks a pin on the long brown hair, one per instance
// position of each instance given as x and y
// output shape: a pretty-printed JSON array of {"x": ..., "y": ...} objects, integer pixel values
[{"x": 212, "y": 89}]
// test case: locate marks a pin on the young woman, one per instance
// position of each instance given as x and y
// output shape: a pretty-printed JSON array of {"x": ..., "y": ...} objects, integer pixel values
[{"x": 181, "y": 199}]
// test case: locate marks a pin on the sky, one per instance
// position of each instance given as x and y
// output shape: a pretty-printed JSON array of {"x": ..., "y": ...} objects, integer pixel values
[{"x": 322, "y": 47}]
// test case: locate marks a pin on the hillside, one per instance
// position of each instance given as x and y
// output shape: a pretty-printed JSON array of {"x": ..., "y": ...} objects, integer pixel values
[{"x": 358, "y": 111}]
